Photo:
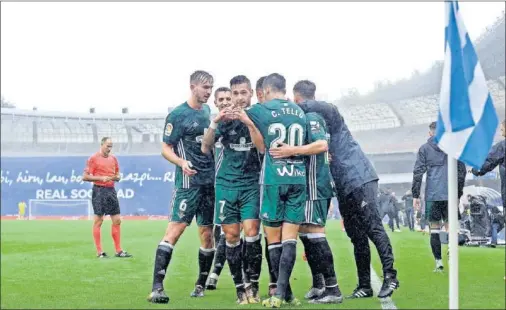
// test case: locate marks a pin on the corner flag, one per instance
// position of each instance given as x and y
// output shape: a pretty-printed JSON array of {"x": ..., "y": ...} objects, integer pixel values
[
  {"x": 466, "y": 123},
  {"x": 467, "y": 119}
]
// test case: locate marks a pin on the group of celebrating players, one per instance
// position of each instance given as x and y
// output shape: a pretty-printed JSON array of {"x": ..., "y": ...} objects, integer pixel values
[{"x": 268, "y": 164}]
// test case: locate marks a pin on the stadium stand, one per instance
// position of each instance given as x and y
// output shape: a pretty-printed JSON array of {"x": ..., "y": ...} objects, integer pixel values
[
  {"x": 369, "y": 116},
  {"x": 396, "y": 127},
  {"x": 377, "y": 127}
]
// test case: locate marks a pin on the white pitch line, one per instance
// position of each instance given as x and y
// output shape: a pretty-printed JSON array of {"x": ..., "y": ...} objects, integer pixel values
[{"x": 386, "y": 303}]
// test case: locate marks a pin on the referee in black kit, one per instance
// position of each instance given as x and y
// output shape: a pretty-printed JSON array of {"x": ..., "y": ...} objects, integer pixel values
[{"x": 357, "y": 187}]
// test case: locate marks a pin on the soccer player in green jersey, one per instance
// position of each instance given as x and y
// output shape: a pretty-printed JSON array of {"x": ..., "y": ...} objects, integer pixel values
[
  {"x": 283, "y": 181},
  {"x": 272, "y": 277},
  {"x": 222, "y": 99},
  {"x": 320, "y": 191},
  {"x": 193, "y": 194},
  {"x": 238, "y": 191}
]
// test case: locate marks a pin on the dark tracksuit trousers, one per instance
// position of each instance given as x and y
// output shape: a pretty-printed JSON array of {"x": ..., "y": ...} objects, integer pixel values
[{"x": 362, "y": 222}]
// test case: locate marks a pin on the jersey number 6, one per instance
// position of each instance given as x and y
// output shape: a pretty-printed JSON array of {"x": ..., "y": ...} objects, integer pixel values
[{"x": 182, "y": 205}]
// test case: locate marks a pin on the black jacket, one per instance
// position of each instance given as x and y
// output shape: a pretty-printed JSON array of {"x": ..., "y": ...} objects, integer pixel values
[
  {"x": 386, "y": 202},
  {"x": 496, "y": 157},
  {"x": 433, "y": 161},
  {"x": 349, "y": 166},
  {"x": 408, "y": 201}
]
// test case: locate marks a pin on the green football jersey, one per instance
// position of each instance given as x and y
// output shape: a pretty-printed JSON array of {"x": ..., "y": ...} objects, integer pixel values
[
  {"x": 319, "y": 179},
  {"x": 280, "y": 121},
  {"x": 184, "y": 130},
  {"x": 238, "y": 161},
  {"x": 217, "y": 150}
]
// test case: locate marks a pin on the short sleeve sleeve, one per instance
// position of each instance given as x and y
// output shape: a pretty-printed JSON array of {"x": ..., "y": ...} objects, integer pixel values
[
  {"x": 173, "y": 129},
  {"x": 255, "y": 114},
  {"x": 116, "y": 165},
  {"x": 315, "y": 129},
  {"x": 90, "y": 166}
]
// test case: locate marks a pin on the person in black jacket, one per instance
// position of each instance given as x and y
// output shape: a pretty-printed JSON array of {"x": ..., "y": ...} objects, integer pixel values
[
  {"x": 433, "y": 161},
  {"x": 408, "y": 207},
  {"x": 357, "y": 192},
  {"x": 496, "y": 157},
  {"x": 387, "y": 206},
  {"x": 394, "y": 211}
]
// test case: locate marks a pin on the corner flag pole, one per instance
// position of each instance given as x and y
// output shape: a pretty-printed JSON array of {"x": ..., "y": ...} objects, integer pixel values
[
  {"x": 466, "y": 124},
  {"x": 453, "y": 221}
]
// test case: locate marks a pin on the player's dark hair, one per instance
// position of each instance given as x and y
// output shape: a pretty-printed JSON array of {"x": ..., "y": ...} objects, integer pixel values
[
  {"x": 104, "y": 139},
  {"x": 200, "y": 76},
  {"x": 276, "y": 82},
  {"x": 432, "y": 126},
  {"x": 305, "y": 88},
  {"x": 260, "y": 82},
  {"x": 221, "y": 89},
  {"x": 240, "y": 79}
]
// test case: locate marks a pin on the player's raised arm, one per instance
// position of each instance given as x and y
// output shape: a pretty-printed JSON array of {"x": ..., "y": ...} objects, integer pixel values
[
  {"x": 255, "y": 134},
  {"x": 210, "y": 135}
]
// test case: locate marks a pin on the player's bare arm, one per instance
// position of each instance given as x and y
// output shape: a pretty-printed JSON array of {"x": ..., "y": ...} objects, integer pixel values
[
  {"x": 209, "y": 136},
  {"x": 284, "y": 150},
  {"x": 255, "y": 134},
  {"x": 169, "y": 154}
]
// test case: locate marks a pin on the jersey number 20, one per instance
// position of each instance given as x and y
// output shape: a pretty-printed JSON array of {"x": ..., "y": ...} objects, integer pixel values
[{"x": 295, "y": 134}]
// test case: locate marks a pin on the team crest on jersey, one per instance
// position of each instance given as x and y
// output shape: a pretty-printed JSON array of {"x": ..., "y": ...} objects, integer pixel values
[
  {"x": 168, "y": 129},
  {"x": 315, "y": 126}
]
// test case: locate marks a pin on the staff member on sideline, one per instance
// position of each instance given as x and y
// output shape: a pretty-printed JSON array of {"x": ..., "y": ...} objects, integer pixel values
[
  {"x": 357, "y": 187},
  {"x": 102, "y": 169}
]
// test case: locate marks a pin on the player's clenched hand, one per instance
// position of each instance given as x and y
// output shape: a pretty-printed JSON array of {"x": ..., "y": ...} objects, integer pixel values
[
  {"x": 224, "y": 114},
  {"x": 187, "y": 168},
  {"x": 283, "y": 150},
  {"x": 241, "y": 115}
]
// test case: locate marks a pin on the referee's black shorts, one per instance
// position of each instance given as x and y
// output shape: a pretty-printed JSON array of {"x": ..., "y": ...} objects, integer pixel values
[{"x": 104, "y": 200}]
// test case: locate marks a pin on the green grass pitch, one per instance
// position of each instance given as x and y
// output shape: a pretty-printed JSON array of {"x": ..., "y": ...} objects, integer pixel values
[{"x": 52, "y": 264}]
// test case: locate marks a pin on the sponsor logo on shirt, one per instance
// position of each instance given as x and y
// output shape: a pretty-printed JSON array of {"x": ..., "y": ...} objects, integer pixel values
[
  {"x": 242, "y": 146},
  {"x": 290, "y": 171}
]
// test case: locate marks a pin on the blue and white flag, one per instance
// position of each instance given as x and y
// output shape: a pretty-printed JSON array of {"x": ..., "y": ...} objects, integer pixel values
[{"x": 467, "y": 119}]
